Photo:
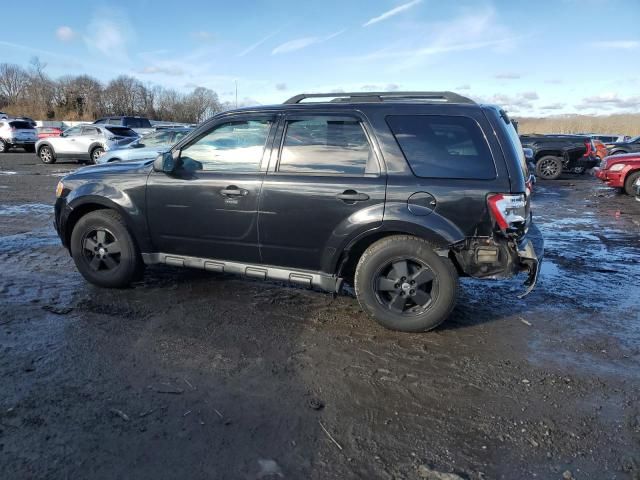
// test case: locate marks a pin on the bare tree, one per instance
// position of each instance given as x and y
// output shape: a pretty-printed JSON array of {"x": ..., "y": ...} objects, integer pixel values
[{"x": 13, "y": 82}]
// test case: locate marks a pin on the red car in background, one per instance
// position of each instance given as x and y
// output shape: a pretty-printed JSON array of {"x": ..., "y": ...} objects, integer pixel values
[
  {"x": 620, "y": 171},
  {"x": 45, "y": 132}
]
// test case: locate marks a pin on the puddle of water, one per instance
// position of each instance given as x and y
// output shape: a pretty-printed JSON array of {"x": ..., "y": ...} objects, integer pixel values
[{"x": 26, "y": 208}]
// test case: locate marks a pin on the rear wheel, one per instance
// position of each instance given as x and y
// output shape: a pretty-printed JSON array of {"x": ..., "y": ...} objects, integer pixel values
[
  {"x": 104, "y": 251},
  {"x": 46, "y": 154},
  {"x": 405, "y": 285},
  {"x": 549, "y": 167},
  {"x": 30, "y": 148},
  {"x": 3, "y": 147},
  {"x": 96, "y": 153},
  {"x": 630, "y": 181}
]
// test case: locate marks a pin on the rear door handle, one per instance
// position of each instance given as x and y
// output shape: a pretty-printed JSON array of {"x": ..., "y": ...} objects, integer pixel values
[
  {"x": 352, "y": 196},
  {"x": 233, "y": 191}
]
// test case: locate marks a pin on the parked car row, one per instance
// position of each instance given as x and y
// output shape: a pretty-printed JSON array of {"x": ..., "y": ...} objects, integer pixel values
[{"x": 554, "y": 154}]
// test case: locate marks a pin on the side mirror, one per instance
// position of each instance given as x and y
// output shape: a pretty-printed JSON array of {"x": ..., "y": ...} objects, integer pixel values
[{"x": 164, "y": 163}]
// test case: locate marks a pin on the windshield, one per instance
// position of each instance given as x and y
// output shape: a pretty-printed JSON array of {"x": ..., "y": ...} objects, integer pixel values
[{"x": 635, "y": 139}]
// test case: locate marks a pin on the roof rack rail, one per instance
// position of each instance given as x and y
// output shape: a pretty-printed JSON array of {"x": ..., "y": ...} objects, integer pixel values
[{"x": 366, "y": 97}]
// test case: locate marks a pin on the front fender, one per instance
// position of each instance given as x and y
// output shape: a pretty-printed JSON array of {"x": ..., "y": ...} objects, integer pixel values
[{"x": 128, "y": 204}]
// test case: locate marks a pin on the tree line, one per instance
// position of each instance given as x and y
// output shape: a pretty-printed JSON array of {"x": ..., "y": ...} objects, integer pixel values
[{"x": 32, "y": 93}]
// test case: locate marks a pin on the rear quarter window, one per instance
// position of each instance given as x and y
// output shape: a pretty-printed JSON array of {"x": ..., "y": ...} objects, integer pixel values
[
  {"x": 443, "y": 146},
  {"x": 122, "y": 131}
]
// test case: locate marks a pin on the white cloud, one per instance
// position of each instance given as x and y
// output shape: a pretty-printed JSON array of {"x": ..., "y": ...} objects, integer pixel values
[
  {"x": 507, "y": 76},
  {"x": 281, "y": 86},
  {"x": 65, "y": 34},
  {"x": 530, "y": 95},
  {"x": 300, "y": 43},
  {"x": 202, "y": 36},
  {"x": 554, "y": 106},
  {"x": 109, "y": 33},
  {"x": 617, "y": 44},
  {"x": 609, "y": 101},
  {"x": 251, "y": 48},
  {"x": 480, "y": 29},
  {"x": 166, "y": 70},
  {"x": 390, "y": 13},
  {"x": 466, "y": 86}
]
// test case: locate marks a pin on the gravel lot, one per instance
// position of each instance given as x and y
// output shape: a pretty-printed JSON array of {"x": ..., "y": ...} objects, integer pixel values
[{"x": 195, "y": 375}]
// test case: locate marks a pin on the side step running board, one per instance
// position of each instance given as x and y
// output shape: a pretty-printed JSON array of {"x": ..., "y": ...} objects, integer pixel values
[{"x": 305, "y": 278}]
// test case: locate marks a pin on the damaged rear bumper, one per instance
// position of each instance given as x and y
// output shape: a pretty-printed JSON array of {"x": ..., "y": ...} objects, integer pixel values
[
  {"x": 530, "y": 254},
  {"x": 500, "y": 258}
]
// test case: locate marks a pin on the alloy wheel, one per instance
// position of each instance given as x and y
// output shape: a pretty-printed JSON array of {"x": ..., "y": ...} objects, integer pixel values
[
  {"x": 549, "y": 168},
  {"x": 406, "y": 286},
  {"x": 45, "y": 154},
  {"x": 101, "y": 249},
  {"x": 96, "y": 154}
]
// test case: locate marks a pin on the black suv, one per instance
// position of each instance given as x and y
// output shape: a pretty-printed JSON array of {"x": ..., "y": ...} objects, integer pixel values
[{"x": 397, "y": 193}]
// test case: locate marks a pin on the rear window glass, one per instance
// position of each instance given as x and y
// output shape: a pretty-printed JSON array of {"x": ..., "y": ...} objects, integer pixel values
[
  {"x": 122, "y": 131},
  {"x": 439, "y": 146},
  {"x": 20, "y": 124},
  {"x": 137, "y": 123}
]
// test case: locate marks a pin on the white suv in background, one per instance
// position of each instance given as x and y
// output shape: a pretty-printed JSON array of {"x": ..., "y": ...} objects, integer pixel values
[
  {"x": 83, "y": 143},
  {"x": 17, "y": 133}
]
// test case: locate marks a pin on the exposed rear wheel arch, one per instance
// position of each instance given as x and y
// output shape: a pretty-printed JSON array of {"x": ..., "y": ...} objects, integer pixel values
[{"x": 347, "y": 264}]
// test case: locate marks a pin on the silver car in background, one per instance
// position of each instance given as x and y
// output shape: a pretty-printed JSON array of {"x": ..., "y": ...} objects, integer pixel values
[
  {"x": 84, "y": 143},
  {"x": 17, "y": 134},
  {"x": 147, "y": 147}
]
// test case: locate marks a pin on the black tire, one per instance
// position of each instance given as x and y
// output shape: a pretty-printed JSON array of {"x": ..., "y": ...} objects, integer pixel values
[
  {"x": 95, "y": 154},
  {"x": 30, "y": 148},
  {"x": 46, "y": 154},
  {"x": 549, "y": 167},
  {"x": 628, "y": 183},
  {"x": 104, "y": 251},
  {"x": 387, "y": 294},
  {"x": 3, "y": 147}
]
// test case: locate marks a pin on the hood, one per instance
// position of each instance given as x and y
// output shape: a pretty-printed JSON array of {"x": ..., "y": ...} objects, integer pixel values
[
  {"x": 624, "y": 158},
  {"x": 116, "y": 168}
]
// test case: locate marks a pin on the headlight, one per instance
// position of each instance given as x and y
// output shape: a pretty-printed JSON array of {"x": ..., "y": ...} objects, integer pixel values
[
  {"x": 617, "y": 167},
  {"x": 59, "y": 189}
]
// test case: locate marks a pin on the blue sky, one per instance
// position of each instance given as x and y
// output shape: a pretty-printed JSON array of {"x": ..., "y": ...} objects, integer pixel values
[{"x": 535, "y": 57}]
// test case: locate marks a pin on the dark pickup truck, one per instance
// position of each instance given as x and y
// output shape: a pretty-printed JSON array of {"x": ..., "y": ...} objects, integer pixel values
[{"x": 553, "y": 154}]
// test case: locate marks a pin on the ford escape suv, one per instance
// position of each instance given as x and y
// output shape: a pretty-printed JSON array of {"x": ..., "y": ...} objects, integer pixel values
[{"x": 397, "y": 193}]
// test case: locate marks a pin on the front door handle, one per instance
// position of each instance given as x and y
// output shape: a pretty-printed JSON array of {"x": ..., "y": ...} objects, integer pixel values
[
  {"x": 233, "y": 191},
  {"x": 352, "y": 196}
]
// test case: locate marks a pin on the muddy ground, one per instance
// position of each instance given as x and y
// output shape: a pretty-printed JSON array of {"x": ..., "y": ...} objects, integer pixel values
[{"x": 195, "y": 375}]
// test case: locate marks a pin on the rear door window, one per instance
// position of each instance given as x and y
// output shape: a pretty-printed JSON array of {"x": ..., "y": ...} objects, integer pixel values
[
  {"x": 90, "y": 131},
  {"x": 439, "y": 146},
  {"x": 326, "y": 145}
]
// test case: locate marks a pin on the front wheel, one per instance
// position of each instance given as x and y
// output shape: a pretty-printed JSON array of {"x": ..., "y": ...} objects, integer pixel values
[
  {"x": 629, "y": 182},
  {"x": 405, "y": 285},
  {"x": 104, "y": 251},
  {"x": 549, "y": 167},
  {"x": 46, "y": 154}
]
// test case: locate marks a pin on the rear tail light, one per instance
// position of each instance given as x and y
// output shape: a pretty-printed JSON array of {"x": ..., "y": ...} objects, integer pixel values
[{"x": 509, "y": 211}]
